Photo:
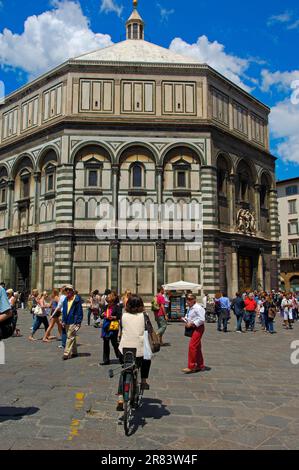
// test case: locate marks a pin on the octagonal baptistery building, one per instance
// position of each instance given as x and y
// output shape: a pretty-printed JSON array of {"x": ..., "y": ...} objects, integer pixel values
[{"x": 137, "y": 121}]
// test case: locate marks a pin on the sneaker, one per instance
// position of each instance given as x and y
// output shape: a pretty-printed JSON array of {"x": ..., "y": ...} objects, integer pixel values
[
  {"x": 60, "y": 346},
  {"x": 144, "y": 386},
  {"x": 238, "y": 331},
  {"x": 120, "y": 406}
]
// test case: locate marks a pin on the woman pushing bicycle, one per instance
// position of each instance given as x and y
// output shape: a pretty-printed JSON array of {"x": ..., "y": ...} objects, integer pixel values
[{"x": 135, "y": 336}]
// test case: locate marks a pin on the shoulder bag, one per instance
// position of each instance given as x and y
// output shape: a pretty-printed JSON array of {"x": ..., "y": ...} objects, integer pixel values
[{"x": 152, "y": 336}]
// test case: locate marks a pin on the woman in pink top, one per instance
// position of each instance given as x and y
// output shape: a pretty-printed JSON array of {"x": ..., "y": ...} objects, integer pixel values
[{"x": 161, "y": 315}]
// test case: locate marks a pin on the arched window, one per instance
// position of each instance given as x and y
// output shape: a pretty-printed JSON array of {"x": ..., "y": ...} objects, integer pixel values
[{"x": 135, "y": 31}]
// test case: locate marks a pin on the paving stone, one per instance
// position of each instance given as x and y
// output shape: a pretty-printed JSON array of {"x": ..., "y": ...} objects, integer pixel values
[{"x": 249, "y": 399}]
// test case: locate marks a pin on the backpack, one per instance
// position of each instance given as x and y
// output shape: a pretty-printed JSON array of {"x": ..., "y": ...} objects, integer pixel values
[
  {"x": 8, "y": 326},
  {"x": 155, "y": 305}
]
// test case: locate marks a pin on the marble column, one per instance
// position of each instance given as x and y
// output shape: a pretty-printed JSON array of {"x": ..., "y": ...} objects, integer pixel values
[
  {"x": 257, "y": 204},
  {"x": 37, "y": 179},
  {"x": 10, "y": 185},
  {"x": 115, "y": 251},
  {"x": 34, "y": 265},
  {"x": 159, "y": 184},
  {"x": 115, "y": 187},
  {"x": 160, "y": 251},
  {"x": 235, "y": 270},
  {"x": 232, "y": 201},
  {"x": 260, "y": 273}
]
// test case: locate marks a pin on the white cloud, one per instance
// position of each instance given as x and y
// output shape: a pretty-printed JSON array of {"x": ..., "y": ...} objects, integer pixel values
[
  {"x": 281, "y": 80},
  {"x": 286, "y": 18},
  {"x": 284, "y": 124},
  {"x": 109, "y": 6},
  {"x": 282, "y": 18},
  {"x": 164, "y": 12},
  {"x": 213, "y": 53},
  {"x": 49, "y": 39}
]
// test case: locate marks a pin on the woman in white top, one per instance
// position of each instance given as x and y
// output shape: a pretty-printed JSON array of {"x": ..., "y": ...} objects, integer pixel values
[
  {"x": 135, "y": 336},
  {"x": 286, "y": 306}
]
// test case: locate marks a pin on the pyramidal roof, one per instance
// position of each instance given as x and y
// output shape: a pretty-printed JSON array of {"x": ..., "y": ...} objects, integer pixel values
[{"x": 137, "y": 52}]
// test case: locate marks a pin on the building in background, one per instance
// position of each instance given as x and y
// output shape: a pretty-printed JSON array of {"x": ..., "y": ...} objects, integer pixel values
[
  {"x": 135, "y": 121},
  {"x": 288, "y": 210}
]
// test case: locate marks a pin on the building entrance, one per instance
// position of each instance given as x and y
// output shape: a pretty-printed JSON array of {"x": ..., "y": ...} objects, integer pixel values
[
  {"x": 245, "y": 273},
  {"x": 22, "y": 271}
]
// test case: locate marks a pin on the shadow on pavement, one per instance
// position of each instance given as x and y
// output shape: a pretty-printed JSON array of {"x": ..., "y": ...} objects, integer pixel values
[
  {"x": 14, "y": 413},
  {"x": 151, "y": 408}
]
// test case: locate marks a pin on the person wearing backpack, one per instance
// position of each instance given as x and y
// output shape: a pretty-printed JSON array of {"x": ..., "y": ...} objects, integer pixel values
[
  {"x": 7, "y": 322},
  {"x": 158, "y": 307}
]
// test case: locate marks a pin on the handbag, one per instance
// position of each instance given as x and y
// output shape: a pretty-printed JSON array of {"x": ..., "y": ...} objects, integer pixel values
[
  {"x": 152, "y": 335},
  {"x": 272, "y": 313},
  {"x": 114, "y": 325},
  {"x": 189, "y": 332},
  {"x": 38, "y": 311}
]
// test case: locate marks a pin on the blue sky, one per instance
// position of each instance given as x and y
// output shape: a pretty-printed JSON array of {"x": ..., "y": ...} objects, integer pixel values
[{"x": 255, "y": 45}]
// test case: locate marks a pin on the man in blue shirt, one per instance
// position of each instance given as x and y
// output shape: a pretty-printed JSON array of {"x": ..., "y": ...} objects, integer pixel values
[
  {"x": 5, "y": 314},
  {"x": 225, "y": 307}
]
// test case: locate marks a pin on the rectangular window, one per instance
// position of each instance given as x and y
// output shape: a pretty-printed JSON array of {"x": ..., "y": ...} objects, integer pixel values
[
  {"x": 10, "y": 123},
  {"x": 52, "y": 102},
  {"x": 291, "y": 190},
  {"x": 92, "y": 178},
  {"x": 179, "y": 98},
  {"x": 258, "y": 129},
  {"x": 220, "y": 103},
  {"x": 3, "y": 196},
  {"x": 293, "y": 227},
  {"x": 292, "y": 207},
  {"x": 240, "y": 118},
  {"x": 181, "y": 179},
  {"x": 138, "y": 97},
  {"x": 26, "y": 187},
  {"x": 293, "y": 250},
  {"x": 50, "y": 182}
]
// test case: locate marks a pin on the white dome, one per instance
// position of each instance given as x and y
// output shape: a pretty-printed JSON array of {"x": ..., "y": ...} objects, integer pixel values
[{"x": 137, "y": 52}]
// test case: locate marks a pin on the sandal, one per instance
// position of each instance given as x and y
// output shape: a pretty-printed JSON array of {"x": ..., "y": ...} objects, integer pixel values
[{"x": 120, "y": 406}]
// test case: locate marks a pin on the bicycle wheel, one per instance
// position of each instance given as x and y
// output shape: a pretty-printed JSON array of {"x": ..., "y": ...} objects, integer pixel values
[{"x": 128, "y": 402}]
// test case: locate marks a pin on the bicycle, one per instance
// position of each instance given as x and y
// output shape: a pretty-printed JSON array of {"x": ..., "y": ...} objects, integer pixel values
[{"x": 132, "y": 391}]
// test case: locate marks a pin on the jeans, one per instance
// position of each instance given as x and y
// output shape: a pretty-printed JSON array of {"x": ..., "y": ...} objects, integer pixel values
[
  {"x": 63, "y": 338},
  {"x": 223, "y": 319},
  {"x": 37, "y": 323},
  {"x": 239, "y": 322},
  {"x": 270, "y": 325},
  {"x": 88, "y": 316},
  {"x": 250, "y": 320},
  {"x": 162, "y": 325}
]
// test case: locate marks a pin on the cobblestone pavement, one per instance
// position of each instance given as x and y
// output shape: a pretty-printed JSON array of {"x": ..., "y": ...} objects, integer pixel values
[{"x": 248, "y": 400}]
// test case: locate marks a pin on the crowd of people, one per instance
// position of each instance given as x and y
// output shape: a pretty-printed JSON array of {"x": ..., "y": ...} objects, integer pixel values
[
  {"x": 124, "y": 322},
  {"x": 252, "y": 308}
]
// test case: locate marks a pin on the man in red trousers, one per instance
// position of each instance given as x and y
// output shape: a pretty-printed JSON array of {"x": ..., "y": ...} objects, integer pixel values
[{"x": 195, "y": 319}]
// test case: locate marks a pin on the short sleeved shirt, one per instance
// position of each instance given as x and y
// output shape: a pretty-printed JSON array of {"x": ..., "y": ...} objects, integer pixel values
[
  {"x": 4, "y": 302},
  {"x": 161, "y": 301}
]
